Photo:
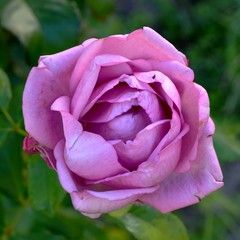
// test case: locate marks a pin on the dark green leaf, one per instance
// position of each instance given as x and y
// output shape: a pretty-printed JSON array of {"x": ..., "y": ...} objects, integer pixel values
[
  {"x": 101, "y": 9},
  {"x": 59, "y": 23},
  {"x": 5, "y": 90},
  {"x": 5, "y": 128},
  {"x": 69, "y": 222},
  {"x": 1, "y": 216},
  {"x": 45, "y": 192},
  {"x": 3, "y": 3},
  {"x": 11, "y": 167}
]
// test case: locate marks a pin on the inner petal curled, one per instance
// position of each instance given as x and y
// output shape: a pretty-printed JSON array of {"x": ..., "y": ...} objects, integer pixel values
[{"x": 124, "y": 127}]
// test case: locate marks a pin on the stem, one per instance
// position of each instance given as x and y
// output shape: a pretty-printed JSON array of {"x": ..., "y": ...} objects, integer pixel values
[{"x": 15, "y": 126}]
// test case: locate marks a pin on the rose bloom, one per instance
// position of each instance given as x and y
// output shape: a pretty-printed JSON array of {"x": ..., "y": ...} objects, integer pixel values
[{"x": 121, "y": 121}]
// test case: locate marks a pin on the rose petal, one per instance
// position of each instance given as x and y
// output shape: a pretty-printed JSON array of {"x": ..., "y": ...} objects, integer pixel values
[
  {"x": 98, "y": 91},
  {"x": 204, "y": 108},
  {"x": 93, "y": 203},
  {"x": 141, "y": 65},
  {"x": 68, "y": 179},
  {"x": 164, "y": 48},
  {"x": 61, "y": 104},
  {"x": 131, "y": 46},
  {"x": 133, "y": 82},
  {"x": 45, "y": 83},
  {"x": 183, "y": 189},
  {"x": 84, "y": 60},
  {"x": 124, "y": 127},
  {"x": 175, "y": 130},
  {"x": 39, "y": 94},
  {"x": 150, "y": 103},
  {"x": 62, "y": 64},
  {"x": 190, "y": 111},
  {"x": 88, "y": 81},
  {"x": 167, "y": 87},
  {"x": 107, "y": 73},
  {"x": 120, "y": 93},
  {"x": 105, "y": 112},
  {"x": 132, "y": 153},
  {"x": 83, "y": 157},
  {"x": 104, "y": 87},
  {"x": 173, "y": 70},
  {"x": 150, "y": 172}
]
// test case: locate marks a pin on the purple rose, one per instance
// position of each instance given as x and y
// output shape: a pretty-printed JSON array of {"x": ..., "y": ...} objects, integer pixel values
[{"x": 121, "y": 120}]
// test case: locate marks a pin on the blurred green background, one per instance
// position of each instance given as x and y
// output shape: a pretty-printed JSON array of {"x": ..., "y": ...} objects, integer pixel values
[{"x": 32, "y": 204}]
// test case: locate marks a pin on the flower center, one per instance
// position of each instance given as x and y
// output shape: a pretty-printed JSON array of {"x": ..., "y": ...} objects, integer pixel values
[{"x": 123, "y": 127}]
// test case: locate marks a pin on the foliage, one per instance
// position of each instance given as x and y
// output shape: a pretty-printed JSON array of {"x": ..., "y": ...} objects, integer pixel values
[{"x": 32, "y": 204}]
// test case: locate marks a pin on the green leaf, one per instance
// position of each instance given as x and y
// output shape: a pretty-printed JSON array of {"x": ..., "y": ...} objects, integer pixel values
[
  {"x": 45, "y": 192},
  {"x": 101, "y": 9},
  {"x": 3, "y": 3},
  {"x": 5, "y": 128},
  {"x": 120, "y": 212},
  {"x": 155, "y": 227},
  {"x": 19, "y": 19},
  {"x": 227, "y": 140},
  {"x": 140, "y": 229},
  {"x": 2, "y": 212},
  {"x": 11, "y": 168},
  {"x": 44, "y": 27},
  {"x": 5, "y": 90},
  {"x": 38, "y": 236},
  {"x": 60, "y": 26}
]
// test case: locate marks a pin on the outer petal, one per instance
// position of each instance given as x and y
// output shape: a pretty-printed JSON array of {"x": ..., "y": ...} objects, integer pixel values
[
  {"x": 93, "y": 203},
  {"x": 183, "y": 189},
  {"x": 173, "y": 69},
  {"x": 89, "y": 202},
  {"x": 204, "y": 108},
  {"x": 190, "y": 110},
  {"x": 142, "y": 44},
  {"x": 45, "y": 83},
  {"x": 68, "y": 179}
]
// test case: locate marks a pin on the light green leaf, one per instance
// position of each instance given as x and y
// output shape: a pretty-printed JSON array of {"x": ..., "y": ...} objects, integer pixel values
[
  {"x": 171, "y": 227},
  {"x": 120, "y": 212},
  {"x": 154, "y": 226},
  {"x": 140, "y": 229},
  {"x": 5, "y": 90},
  {"x": 45, "y": 192},
  {"x": 19, "y": 19}
]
